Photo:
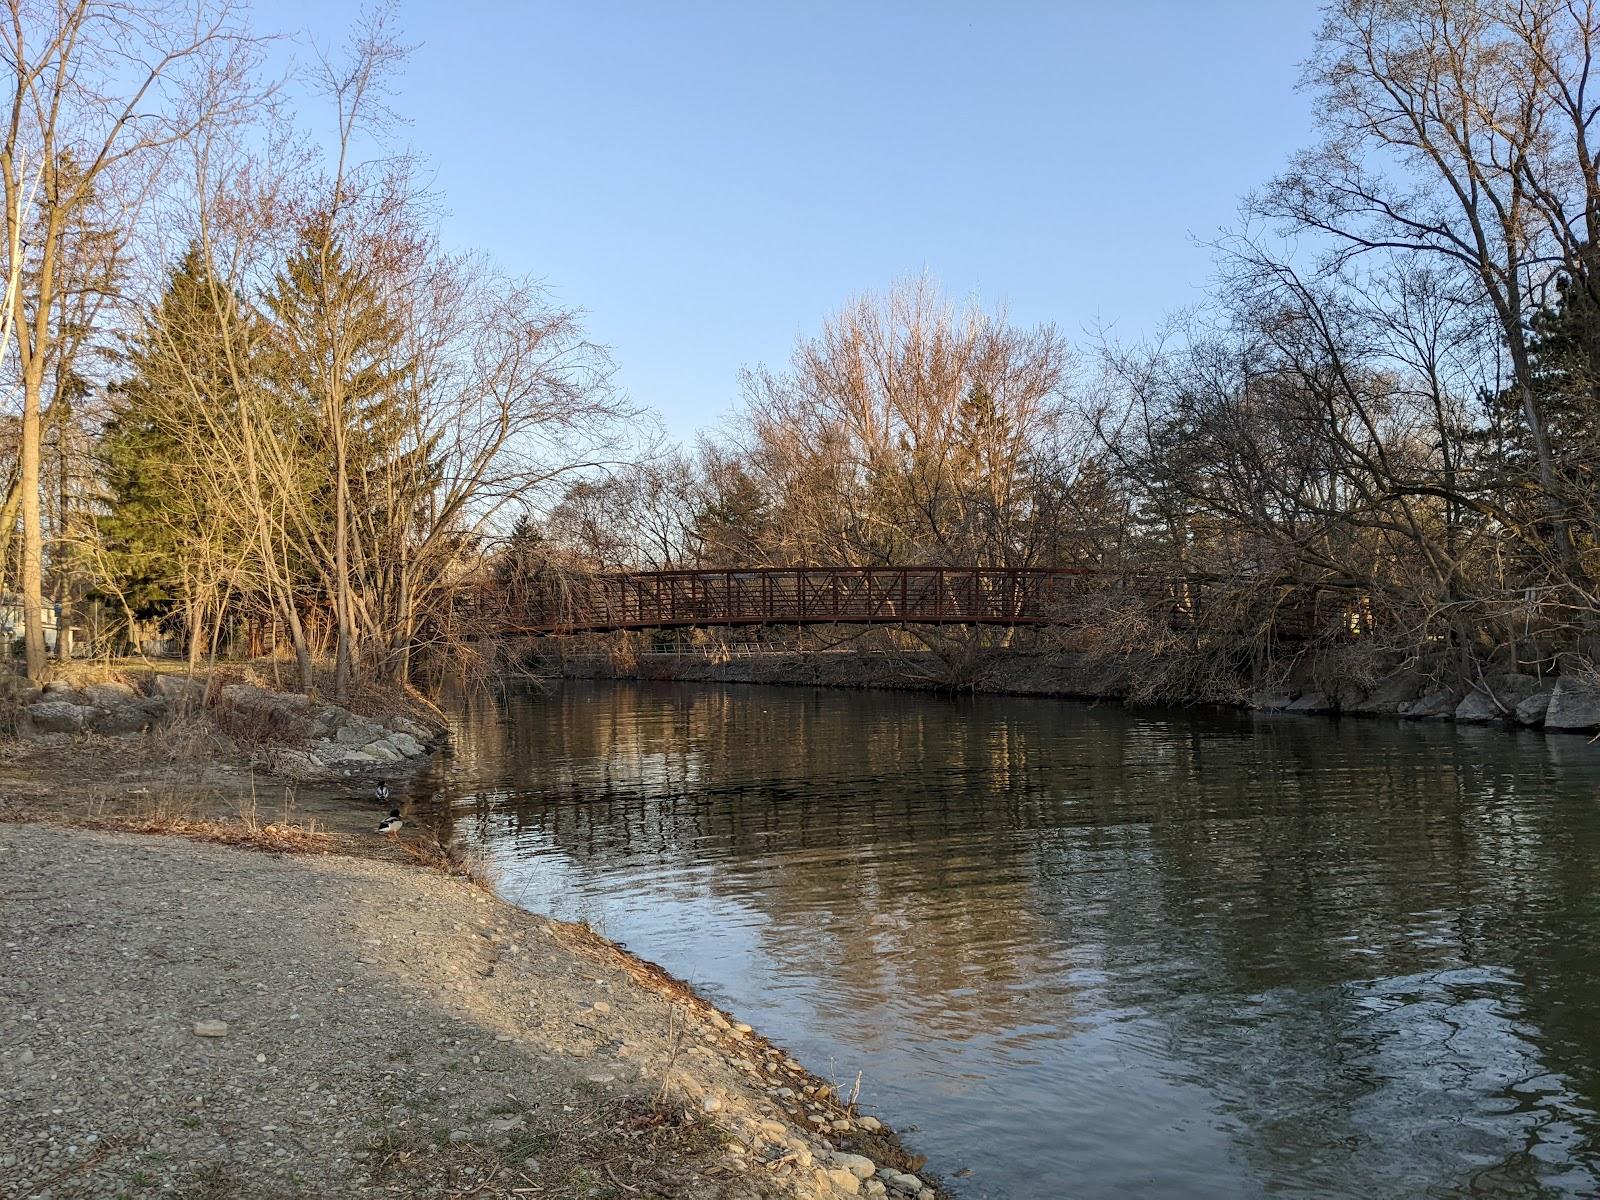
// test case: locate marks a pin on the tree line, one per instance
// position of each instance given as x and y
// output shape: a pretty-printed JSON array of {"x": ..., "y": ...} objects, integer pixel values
[
  {"x": 257, "y": 393},
  {"x": 1384, "y": 413}
]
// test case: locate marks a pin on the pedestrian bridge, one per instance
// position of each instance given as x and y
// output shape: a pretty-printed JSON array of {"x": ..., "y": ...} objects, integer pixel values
[{"x": 1009, "y": 596}]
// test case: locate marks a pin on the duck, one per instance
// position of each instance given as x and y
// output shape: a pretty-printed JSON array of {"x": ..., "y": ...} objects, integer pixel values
[
  {"x": 391, "y": 823},
  {"x": 383, "y": 792}
]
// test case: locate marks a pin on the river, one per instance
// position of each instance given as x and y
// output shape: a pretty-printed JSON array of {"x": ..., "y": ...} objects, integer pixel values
[{"x": 1095, "y": 952}]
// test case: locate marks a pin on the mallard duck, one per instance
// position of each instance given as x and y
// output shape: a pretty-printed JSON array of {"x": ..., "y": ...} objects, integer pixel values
[
  {"x": 383, "y": 792},
  {"x": 391, "y": 823}
]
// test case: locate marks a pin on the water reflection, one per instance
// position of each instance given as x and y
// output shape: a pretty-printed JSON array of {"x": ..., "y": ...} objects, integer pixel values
[{"x": 1096, "y": 953}]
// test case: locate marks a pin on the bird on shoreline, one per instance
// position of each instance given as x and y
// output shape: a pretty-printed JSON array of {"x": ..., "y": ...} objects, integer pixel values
[
  {"x": 391, "y": 823},
  {"x": 383, "y": 792}
]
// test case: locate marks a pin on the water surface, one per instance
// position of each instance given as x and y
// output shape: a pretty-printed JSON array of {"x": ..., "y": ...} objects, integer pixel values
[{"x": 1092, "y": 952}]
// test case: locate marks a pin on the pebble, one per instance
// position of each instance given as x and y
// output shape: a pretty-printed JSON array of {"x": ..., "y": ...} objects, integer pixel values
[
  {"x": 210, "y": 1028},
  {"x": 711, "y": 1103},
  {"x": 600, "y": 1006},
  {"x": 870, "y": 1124}
]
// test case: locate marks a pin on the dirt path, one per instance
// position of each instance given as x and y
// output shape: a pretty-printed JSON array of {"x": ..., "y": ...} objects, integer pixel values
[{"x": 388, "y": 1031}]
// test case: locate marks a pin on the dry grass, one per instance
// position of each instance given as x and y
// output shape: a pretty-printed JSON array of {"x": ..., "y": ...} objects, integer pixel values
[
  {"x": 591, "y": 1144},
  {"x": 182, "y": 815},
  {"x": 451, "y": 858},
  {"x": 274, "y": 839}
]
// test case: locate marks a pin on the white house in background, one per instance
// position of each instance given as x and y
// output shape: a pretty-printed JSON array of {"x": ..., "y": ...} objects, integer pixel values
[{"x": 11, "y": 619}]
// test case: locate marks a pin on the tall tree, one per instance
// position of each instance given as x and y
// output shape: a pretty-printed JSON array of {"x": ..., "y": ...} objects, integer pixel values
[{"x": 100, "y": 88}]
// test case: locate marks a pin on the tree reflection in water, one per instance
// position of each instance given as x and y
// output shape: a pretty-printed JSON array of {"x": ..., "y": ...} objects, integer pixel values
[{"x": 1091, "y": 950}]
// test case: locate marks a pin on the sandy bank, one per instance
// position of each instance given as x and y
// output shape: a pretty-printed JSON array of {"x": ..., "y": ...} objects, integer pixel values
[{"x": 178, "y": 1017}]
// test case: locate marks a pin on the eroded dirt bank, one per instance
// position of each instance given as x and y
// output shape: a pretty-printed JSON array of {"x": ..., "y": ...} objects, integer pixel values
[{"x": 185, "y": 1018}]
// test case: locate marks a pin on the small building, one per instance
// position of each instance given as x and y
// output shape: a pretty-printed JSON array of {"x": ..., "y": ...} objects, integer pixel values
[{"x": 12, "y": 615}]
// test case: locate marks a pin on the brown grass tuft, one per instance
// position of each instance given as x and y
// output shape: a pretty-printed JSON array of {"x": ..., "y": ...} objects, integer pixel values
[{"x": 452, "y": 859}]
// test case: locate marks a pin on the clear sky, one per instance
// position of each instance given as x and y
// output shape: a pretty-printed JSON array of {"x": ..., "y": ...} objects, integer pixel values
[{"x": 709, "y": 180}]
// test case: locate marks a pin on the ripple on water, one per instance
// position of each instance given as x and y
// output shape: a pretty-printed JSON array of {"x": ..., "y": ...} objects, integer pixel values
[{"x": 1089, "y": 951}]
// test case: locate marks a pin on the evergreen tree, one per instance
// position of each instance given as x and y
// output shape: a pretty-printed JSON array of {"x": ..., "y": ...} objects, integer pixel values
[{"x": 157, "y": 449}]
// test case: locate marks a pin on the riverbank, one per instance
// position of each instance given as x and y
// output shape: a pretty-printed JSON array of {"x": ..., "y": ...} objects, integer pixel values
[
  {"x": 1559, "y": 704},
  {"x": 186, "y": 1017},
  {"x": 236, "y": 712}
]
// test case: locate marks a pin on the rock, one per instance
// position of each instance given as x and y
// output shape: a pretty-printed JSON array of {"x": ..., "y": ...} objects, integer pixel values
[
  {"x": 870, "y": 1124},
  {"x": 1311, "y": 702},
  {"x": 460, "y": 1135},
  {"x": 1436, "y": 705},
  {"x": 179, "y": 693},
  {"x": 175, "y": 687},
  {"x": 54, "y": 716},
  {"x": 711, "y": 1103},
  {"x": 505, "y": 1124},
  {"x": 843, "y": 1181},
  {"x": 741, "y": 1028},
  {"x": 58, "y": 687},
  {"x": 927, "y": 1194},
  {"x": 327, "y": 753},
  {"x": 210, "y": 1028},
  {"x": 1531, "y": 711},
  {"x": 359, "y": 732},
  {"x": 255, "y": 714},
  {"x": 874, "y": 1187},
  {"x": 898, "y": 1181},
  {"x": 1509, "y": 690},
  {"x": 404, "y": 744},
  {"x": 1272, "y": 700},
  {"x": 380, "y": 751},
  {"x": 600, "y": 1006},
  {"x": 1574, "y": 704},
  {"x": 109, "y": 694},
  {"x": 1390, "y": 693},
  {"x": 18, "y": 689},
  {"x": 858, "y": 1165},
  {"x": 131, "y": 717},
  {"x": 414, "y": 729}
]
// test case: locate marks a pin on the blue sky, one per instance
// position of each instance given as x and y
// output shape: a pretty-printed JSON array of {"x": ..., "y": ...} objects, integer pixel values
[{"x": 710, "y": 180}]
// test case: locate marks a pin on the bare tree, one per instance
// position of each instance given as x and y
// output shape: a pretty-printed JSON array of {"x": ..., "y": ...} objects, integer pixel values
[{"x": 102, "y": 88}]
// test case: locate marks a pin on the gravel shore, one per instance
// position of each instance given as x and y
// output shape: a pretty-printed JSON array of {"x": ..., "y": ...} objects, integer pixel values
[{"x": 183, "y": 1018}]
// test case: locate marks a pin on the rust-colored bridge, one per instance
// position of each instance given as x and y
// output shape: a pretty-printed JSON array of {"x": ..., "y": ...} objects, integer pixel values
[{"x": 831, "y": 596}]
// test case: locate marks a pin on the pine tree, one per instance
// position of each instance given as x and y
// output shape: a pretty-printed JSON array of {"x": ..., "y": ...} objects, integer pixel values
[{"x": 158, "y": 452}]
